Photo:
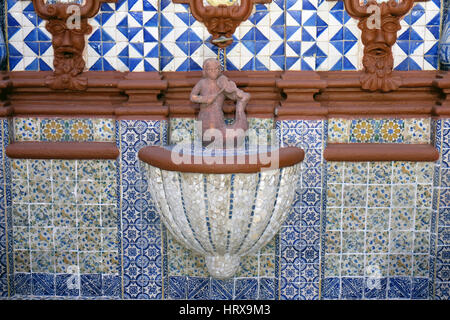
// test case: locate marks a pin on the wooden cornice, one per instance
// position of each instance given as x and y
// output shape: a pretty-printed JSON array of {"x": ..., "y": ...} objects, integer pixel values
[{"x": 274, "y": 94}]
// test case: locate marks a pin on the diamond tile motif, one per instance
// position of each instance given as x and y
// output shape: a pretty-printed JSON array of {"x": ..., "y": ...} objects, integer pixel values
[{"x": 150, "y": 35}]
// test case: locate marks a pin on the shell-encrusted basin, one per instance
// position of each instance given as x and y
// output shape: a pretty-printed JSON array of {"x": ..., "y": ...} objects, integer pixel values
[{"x": 223, "y": 210}]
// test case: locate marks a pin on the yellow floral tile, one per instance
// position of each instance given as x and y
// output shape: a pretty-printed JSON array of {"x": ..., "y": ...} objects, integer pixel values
[
  {"x": 53, "y": 130},
  {"x": 80, "y": 130},
  {"x": 362, "y": 131},
  {"x": 391, "y": 131}
]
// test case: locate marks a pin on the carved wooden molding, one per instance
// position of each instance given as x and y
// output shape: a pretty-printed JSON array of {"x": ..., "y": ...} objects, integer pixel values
[
  {"x": 378, "y": 39},
  {"x": 380, "y": 152},
  {"x": 275, "y": 94},
  {"x": 62, "y": 150},
  {"x": 222, "y": 20},
  {"x": 68, "y": 40}
]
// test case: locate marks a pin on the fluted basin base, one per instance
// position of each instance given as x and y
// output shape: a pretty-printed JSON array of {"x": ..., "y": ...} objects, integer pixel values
[
  {"x": 223, "y": 211},
  {"x": 222, "y": 267}
]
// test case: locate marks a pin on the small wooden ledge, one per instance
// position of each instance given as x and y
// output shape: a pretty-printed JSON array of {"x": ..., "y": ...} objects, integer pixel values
[
  {"x": 380, "y": 152},
  {"x": 62, "y": 150}
]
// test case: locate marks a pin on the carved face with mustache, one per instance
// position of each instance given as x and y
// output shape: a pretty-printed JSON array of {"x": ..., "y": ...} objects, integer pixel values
[
  {"x": 378, "y": 60},
  {"x": 68, "y": 45}
]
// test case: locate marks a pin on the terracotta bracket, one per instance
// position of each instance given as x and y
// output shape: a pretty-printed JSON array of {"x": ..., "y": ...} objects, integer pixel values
[
  {"x": 442, "y": 107},
  {"x": 379, "y": 23},
  {"x": 299, "y": 89},
  {"x": 67, "y": 23},
  {"x": 221, "y": 19}
]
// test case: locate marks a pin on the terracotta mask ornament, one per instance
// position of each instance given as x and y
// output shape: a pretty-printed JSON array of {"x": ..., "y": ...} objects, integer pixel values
[
  {"x": 67, "y": 23},
  {"x": 379, "y": 23},
  {"x": 221, "y": 17}
]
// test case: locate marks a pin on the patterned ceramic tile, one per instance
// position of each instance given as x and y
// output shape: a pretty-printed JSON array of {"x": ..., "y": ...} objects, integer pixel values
[
  {"x": 146, "y": 35},
  {"x": 381, "y": 228},
  {"x": 55, "y": 129}
]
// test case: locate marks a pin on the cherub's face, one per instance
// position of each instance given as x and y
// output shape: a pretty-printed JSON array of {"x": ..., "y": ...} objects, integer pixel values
[{"x": 212, "y": 70}]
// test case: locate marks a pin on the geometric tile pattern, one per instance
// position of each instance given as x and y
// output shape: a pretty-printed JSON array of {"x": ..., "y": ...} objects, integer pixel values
[
  {"x": 57, "y": 129},
  {"x": 301, "y": 233},
  {"x": 388, "y": 242},
  {"x": 141, "y": 227},
  {"x": 379, "y": 130},
  {"x": 150, "y": 35},
  {"x": 442, "y": 233},
  {"x": 378, "y": 221},
  {"x": 6, "y": 245}
]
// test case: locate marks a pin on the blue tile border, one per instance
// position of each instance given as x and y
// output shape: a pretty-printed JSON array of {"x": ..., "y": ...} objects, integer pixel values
[
  {"x": 142, "y": 246},
  {"x": 6, "y": 248}
]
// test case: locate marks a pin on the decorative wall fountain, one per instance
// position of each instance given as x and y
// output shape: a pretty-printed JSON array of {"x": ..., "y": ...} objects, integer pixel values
[{"x": 227, "y": 199}]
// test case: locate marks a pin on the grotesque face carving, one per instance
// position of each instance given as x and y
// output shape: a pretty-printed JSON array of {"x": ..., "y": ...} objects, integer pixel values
[
  {"x": 379, "y": 23},
  {"x": 68, "y": 44}
]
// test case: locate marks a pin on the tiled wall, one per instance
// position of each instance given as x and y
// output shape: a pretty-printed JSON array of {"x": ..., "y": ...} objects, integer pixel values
[
  {"x": 392, "y": 241},
  {"x": 151, "y": 35},
  {"x": 6, "y": 234},
  {"x": 389, "y": 242},
  {"x": 441, "y": 232}
]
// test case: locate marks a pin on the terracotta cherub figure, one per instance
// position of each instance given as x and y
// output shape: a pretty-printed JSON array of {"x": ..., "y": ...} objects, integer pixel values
[{"x": 211, "y": 92}]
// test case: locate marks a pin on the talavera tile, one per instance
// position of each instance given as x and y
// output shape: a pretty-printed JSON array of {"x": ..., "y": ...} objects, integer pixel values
[
  {"x": 338, "y": 130},
  {"x": 355, "y": 195},
  {"x": 377, "y": 219},
  {"x": 333, "y": 219},
  {"x": 377, "y": 242},
  {"x": 353, "y": 218},
  {"x": 352, "y": 265},
  {"x": 378, "y": 196},
  {"x": 332, "y": 265},
  {"x": 402, "y": 218},
  {"x": 400, "y": 264},
  {"x": 26, "y": 129},
  {"x": 355, "y": 172},
  {"x": 353, "y": 242},
  {"x": 391, "y": 131},
  {"x": 404, "y": 172},
  {"x": 380, "y": 172}
]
